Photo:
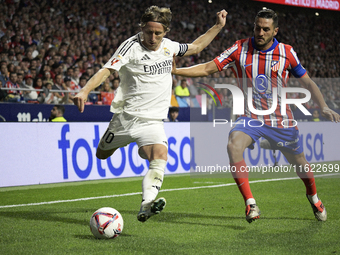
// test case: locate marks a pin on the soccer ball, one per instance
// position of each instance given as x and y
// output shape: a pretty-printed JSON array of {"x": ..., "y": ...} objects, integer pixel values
[{"x": 106, "y": 223}]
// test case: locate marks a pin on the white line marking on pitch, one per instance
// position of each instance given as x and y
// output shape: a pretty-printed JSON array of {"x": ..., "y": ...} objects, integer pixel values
[{"x": 164, "y": 190}]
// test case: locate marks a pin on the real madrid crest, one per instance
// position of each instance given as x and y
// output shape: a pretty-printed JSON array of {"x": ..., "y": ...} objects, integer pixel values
[{"x": 166, "y": 52}]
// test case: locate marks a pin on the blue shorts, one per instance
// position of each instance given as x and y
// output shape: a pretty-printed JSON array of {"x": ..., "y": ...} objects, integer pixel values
[{"x": 283, "y": 139}]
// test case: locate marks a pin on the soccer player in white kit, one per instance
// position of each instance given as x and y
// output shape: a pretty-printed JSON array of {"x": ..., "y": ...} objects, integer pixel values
[{"x": 144, "y": 62}]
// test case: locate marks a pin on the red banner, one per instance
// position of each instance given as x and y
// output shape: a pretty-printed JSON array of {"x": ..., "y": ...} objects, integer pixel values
[{"x": 333, "y": 5}]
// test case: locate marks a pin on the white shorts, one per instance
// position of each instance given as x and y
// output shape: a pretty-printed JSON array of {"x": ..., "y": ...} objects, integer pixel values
[{"x": 125, "y": 129}]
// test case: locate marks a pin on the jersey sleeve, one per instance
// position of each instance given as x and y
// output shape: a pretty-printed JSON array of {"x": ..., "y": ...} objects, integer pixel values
[
  {"x": 121, "y": 56},
  {"x": 227, "y": 58},
  {"x": 295, "y": 67}
]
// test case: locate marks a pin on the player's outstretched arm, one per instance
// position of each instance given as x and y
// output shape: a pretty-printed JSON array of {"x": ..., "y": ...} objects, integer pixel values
[
  {"x": 204, "y": 40},
  {"x": 317, "y": 97},
  {"x": 80, "y": 99},
  {"x": 200, "y": 70}
]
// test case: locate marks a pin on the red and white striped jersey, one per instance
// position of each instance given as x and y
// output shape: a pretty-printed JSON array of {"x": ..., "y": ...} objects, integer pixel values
[
  {"x": 10, "y": 85},
  {"x": 262, "y": 70}
]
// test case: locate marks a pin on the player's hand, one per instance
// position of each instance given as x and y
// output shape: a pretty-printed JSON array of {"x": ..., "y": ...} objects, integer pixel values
[
  {"x": 330, "y": 114},
  {"x": 221, "y": 18},
  {"x": 174, "y": 68},
  {"x": 79, "y": 100}
]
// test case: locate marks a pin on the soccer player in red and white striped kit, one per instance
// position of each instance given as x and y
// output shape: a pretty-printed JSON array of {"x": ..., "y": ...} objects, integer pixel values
[{"x": 261, "y": 62}]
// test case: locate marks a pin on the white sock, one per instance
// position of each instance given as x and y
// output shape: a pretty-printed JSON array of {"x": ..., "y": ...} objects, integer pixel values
[
  {"x": 153, "y": 180},
  {"x": 313, "y": 199},
  {"x": 250, "y": 201}
]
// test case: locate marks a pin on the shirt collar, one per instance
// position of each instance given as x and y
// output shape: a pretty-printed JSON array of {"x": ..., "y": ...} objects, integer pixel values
[{"x": 275, "y": 43}]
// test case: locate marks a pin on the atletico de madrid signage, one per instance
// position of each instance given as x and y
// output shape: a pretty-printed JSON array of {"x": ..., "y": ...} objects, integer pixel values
[{"x": 333, "y": 5}]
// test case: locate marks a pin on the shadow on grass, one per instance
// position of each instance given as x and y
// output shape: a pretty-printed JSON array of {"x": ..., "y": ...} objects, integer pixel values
[
  {"x": 52, "y": 215},
  {"x": 92, "y": 237},
  {"x": 166, "y": 217},
  {"x": 201, "y": 219},
  {"x": 177, "y": 216},
  {"x": 81, "y": 217}
]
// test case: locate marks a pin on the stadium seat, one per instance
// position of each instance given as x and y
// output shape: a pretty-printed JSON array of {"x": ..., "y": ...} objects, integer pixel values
[
  {"x": 195, "y": 103},
  {"x": 199, "y": 100},
  {"x": 183, "y": 101}
]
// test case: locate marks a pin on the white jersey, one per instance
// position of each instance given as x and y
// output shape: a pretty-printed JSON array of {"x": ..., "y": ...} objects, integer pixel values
[{"x": 145, "y": 77}]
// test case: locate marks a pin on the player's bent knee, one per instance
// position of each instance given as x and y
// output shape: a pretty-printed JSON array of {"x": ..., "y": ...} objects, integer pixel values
[
  {"x": 234, "y": 150},
  {"x": 159, "y": 156},
  {"x": 158, "y": 164},
  {"x": 151, "y": 152},
  {"x": 162, "y": 156}
]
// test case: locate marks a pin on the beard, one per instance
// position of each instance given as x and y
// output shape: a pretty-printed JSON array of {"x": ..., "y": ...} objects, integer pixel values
[{"x": 261, "y": 44}]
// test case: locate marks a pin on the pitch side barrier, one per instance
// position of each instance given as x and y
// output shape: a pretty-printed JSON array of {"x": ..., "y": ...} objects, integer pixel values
[
  {"x": 65, "y": 152},
  {"x": 17, "y": 112},
  {"x": 319, "y": 141}
]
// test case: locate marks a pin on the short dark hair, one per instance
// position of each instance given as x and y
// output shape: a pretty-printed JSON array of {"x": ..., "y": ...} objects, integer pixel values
[
  {"x": 173, "y": 109},
  {"x": 154, "y": 13},
  {"x": 268, "y": 14},
  {"x": 60, "y": 108}
]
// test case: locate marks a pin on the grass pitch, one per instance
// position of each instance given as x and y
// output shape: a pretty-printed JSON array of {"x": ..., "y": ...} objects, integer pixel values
[{"x": 202, "y": 216}]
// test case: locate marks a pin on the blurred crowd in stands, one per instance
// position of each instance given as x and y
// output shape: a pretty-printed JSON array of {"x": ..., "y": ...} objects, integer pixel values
[{"x": 50, "y": 49}]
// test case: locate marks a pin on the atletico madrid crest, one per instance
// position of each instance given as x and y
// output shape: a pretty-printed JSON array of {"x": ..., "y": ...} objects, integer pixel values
[{"x": 275, "y": 65}]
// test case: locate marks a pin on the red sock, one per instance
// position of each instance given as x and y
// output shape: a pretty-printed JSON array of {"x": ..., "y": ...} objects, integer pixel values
[
  {"x": 241, "y": 179},
  {"x": 308, "y": 180}
]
